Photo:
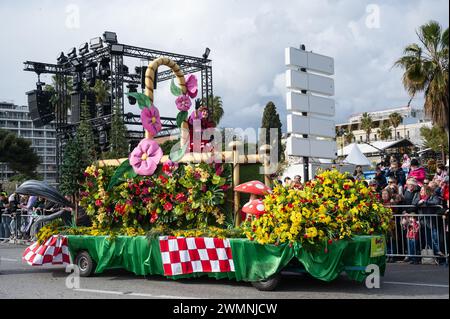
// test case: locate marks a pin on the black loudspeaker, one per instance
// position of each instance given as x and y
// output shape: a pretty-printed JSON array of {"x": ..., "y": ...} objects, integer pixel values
[
  {"x": 75, "y": 105},
  {"x": 41, "y": 110}
]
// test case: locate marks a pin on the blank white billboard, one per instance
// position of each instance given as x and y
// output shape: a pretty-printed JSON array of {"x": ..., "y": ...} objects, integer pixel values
[
  {"x": 300, "y": 102},
  {"x": 298, "y": 80},
  {"x": 309, "y": 60},
  {"x": 297, "y": 146}
]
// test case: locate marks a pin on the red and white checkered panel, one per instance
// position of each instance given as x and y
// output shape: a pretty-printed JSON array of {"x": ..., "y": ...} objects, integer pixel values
[
  {"x": 54, "y": 251},
  {"x": 182, "y": 255}
]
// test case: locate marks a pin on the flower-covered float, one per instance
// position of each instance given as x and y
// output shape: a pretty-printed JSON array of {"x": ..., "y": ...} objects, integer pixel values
[{"x": 156, "y": 214}]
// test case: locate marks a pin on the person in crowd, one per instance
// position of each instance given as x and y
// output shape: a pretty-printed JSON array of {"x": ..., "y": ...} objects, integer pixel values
[
  {"x": 4, "y": 224},
  {"x": 411, "y": 194},
  {"x": 287, "y": 182},
  {"x": 417, "y": 171},
  {"x": 14, "y": 216},
  {"x": 398, "y": 173},
  {"x": 412, "y": 227},
  {"x": 28, "y": 209},
  {"x": 380, "y": 178},
  {"x": 396, "y": 194},
  {"x": 441, "y": 173},
  {"x": 386, "y": 197},
  {"x": 297, "y": 182},
  {"x": 384, "y": 164},
  {"x": 358, "y": 174},
  {"x": 406, "y": 162},
  {"x": 373, "y": 185},
  {"x": 444, "y": 191},
  {"x": 426, "y": 203}
]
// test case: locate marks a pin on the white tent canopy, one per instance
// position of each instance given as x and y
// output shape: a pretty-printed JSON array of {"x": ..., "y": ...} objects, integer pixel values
[
  {"x": 356, "y": 157},
  {"x": 373, "y": 147}
]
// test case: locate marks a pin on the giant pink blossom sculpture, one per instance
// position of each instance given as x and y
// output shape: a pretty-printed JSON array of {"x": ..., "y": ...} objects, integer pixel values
[
  {"x": 191, "y": 85},
  {"x": 145, "y": 157},
  {"x": 183, "y": 103},
  {"x": 151, "y": 120}
]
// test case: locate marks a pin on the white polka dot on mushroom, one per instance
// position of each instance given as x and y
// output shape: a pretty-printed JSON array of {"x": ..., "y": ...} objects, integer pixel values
[
  {"x": 260, "y": 207},
  {"x": 260, "y": 186}
]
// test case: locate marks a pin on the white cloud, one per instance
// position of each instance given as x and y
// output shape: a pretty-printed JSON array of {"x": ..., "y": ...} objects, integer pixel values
[{"x": 247, "y": 41}]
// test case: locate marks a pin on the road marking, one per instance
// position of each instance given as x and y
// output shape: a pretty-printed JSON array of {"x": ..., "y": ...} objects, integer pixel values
[
  {"x": 8, "y": 259},
  {"x": 127, "y": 293},
  {"x": 414, "y": 284}
]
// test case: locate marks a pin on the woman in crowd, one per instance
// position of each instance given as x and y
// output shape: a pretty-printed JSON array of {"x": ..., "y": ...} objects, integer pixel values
[
  {"x": 287, "y": 182},
  {"x": 406, "y": 162},
  {"x": 441, "y": 172},
  {"x": 417, "y": 171},
  {"x": 426, "y": 203},
  {"x": 398, "y": 173}
]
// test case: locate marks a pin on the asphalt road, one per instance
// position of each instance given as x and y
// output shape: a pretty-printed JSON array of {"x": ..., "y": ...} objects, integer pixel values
[{"x": 18, "y": 280}]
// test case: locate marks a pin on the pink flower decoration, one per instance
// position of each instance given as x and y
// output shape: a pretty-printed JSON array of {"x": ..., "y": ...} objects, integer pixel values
[
  {"x": 183, "y": 103},
  {"x": 151, "y": 120},
  {"x": 195, "y": 115},
  {"x": 191, "y": 85},
  {"x": 145, "y": 157}
]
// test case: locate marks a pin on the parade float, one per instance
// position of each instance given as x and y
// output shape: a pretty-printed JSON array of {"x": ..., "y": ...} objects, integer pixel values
[{"x": 178, "y": 214}]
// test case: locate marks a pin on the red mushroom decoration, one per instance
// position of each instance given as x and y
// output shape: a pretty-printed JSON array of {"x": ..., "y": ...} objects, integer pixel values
[
  {"x": 254, "y": 188},
  {"x": 254, "y": 208}
]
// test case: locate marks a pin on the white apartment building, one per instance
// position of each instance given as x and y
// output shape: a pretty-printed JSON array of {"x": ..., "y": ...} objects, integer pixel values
[
  {"x": 413, "y": 120},
  {"x": 16, "y": 119}
]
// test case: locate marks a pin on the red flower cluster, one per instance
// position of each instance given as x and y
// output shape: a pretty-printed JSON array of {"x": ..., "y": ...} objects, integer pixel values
[
  {"x": 153, "y": 217},
  {"x": 181, "y": 197},
  {"x": 168, "y": 206},
  {"x": 163, "y": 179},
  {"x": 120, "y": 208}
]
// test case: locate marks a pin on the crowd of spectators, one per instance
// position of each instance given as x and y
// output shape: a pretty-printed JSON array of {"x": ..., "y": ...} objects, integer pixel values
[{"x": 19, "y": 212}]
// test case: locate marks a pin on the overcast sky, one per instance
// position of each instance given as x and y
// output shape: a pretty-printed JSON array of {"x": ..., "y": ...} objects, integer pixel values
[{"x": 246, "y": 38}]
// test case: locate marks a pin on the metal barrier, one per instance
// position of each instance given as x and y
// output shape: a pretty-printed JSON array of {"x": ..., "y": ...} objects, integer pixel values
[
  {"x": 12, "y": 226},
  {"x": 419, "y": 238}
]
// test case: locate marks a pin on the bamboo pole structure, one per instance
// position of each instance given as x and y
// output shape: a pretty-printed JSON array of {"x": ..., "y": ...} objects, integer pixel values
[
  {"x": 265, "y": 150},
  {"x": 236, "y": 181}
]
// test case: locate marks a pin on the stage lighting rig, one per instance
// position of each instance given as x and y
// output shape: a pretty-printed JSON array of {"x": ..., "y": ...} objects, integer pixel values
[
  {"x": 72, "y": 53},
  {"x": 77, "y": 82},
  {"x": 110, "y": 37},
  {"x": 62, "y": 59},
  {"x": 132, "y": 88},
  {"x": 83, "y": 49},
  {"x": 104, "y": 69},
  {"x": 141, "y": 71},
  {"x": 91, "y": 73},
  {"x": 117, "y": 48},
  {"x": 206, "y": 54},
  {"x": 96, "y": 43}
]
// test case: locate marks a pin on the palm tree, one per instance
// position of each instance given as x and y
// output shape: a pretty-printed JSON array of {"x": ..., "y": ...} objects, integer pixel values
[
  {"x": 395, "y": 119},
  {"x": 384, "y": 131},
  {"x": 367, "y": 125},
  {"x": 426, "y": 69},
  {"x": 349, "y": 137},
  {"x": 63, "y": 83},
  {"x": 216, "y": 105}
]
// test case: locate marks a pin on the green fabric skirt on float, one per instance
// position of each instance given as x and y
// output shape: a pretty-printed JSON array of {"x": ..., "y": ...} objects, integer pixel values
[{"x": 252, "y": 261}]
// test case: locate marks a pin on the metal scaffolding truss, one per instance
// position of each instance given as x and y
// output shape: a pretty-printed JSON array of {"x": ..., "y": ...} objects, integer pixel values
[{"x": 117, "y": 80}]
